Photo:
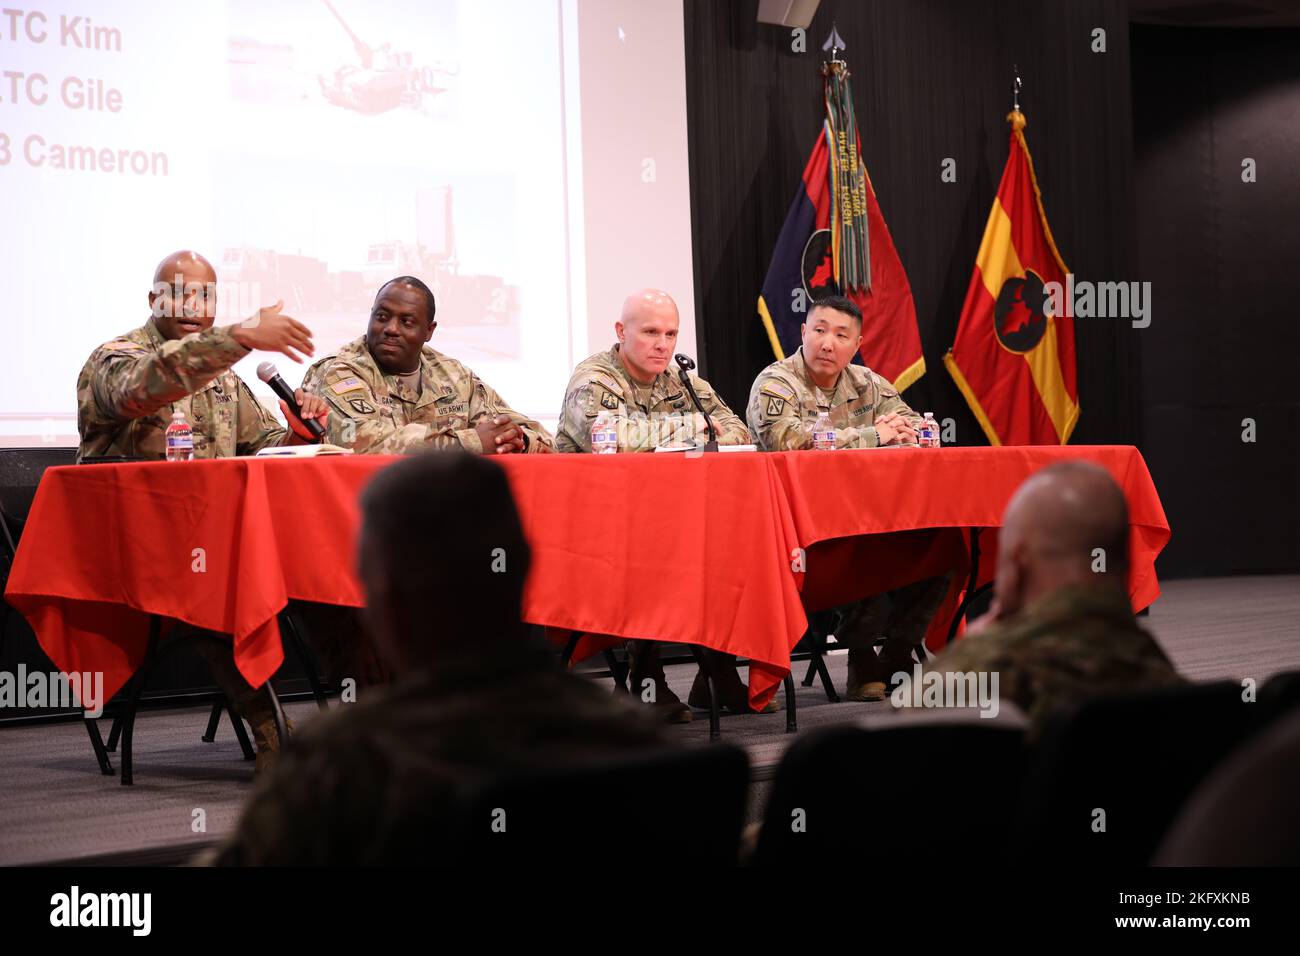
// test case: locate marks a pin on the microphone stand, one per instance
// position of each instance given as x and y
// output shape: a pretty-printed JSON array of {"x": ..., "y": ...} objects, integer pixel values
[{"x": 686, "y": 364}]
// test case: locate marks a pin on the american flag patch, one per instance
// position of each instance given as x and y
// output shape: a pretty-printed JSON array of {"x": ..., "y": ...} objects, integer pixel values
[{"x": 347, "y": 385}]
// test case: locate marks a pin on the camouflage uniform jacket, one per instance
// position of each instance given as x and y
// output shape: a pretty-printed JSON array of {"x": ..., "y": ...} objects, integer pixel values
[
  {"x": 784, "y": 402},
  {"x": 377, "y": 414},
  {"x": 648, "y": 416},
  {"x": 129, "y": 387},
  {"x": 1076, "y": 643},
  {"x": 377, "y": 781}
]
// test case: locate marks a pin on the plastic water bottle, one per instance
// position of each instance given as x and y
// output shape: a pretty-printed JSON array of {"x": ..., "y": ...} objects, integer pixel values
[
  {"x": 929, "y": 437},
  {"x": 823, "y": 432},
  {"x": 604, "y": 435},
  {"x": 180, "y": 438}
]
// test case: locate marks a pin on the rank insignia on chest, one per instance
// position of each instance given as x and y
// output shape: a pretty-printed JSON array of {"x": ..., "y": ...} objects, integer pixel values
[
  {"x": 361, "y": 406},
  {"x": 608, "y": 401},
  {"x": 775, "y": 406}
]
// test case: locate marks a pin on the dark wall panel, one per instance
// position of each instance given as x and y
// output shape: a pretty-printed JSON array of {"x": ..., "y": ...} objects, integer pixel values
[{"x": 1222, "y": 256}]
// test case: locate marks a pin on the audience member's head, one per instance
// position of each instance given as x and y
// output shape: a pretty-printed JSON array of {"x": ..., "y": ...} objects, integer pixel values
[
  {"x": 443, "y": 560},
  {"x": 1065, "y": 526}
]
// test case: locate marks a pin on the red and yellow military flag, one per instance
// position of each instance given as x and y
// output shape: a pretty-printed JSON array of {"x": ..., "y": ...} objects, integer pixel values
[
  {"x": 835, "y": 242},
  {"x": 1013, "y": 358}
]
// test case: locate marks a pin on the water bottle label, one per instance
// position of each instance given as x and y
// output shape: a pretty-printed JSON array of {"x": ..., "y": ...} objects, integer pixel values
[
  {"x": 180, "y": 441},
  {"x": 824, "y": 438}
]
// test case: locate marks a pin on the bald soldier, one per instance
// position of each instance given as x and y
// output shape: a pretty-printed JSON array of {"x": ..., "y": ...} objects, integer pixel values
[
  {"x": 867, "y": 412},
  {"x": 391, "y": 393},
  {"x": 1061, "y": 627},
  {"x": 631, "y": 381},
  {"x": 180, "y": 361}
]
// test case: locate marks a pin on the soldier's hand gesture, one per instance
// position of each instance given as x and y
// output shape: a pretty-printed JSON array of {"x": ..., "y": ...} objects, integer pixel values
[{"x": 273, "y": 331}]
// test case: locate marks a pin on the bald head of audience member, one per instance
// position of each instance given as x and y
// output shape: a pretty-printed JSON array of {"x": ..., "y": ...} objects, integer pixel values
[
  {"x": 183, "y": 299},
  {"x": 647, "y": 333},
  {"x": 442, "y": 559},
  {"x": 1065, "y": 526}
]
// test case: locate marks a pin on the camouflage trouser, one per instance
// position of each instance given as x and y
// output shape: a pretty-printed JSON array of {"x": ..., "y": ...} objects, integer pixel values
[
  {"x": 251, "y": 703},
  {"x": 901, "y": 616},
  {"x": 338, "y": 638}
]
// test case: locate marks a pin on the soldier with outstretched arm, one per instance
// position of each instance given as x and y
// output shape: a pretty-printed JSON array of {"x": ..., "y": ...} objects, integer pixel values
[{"x": 179, "y": 360}]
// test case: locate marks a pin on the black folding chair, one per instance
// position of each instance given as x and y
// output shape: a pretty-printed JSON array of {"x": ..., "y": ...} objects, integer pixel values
[
  {"x": 896, "y": 795},
  {"x": 1110, "y": 773},
  {"x": 815, "y": 641},
  {"x": 556, "y": 813},
  {"x": 1279, "y": 696},
  {"x": 20, "y": 474},
  {"x": 618, "y": 670},
  {"x": 124, "y": 722}
]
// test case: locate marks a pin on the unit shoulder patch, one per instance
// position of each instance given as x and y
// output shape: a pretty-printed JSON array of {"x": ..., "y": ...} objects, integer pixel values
[
  {"x": 775, "y": 406},
  {"x": 361, "y": 406}
]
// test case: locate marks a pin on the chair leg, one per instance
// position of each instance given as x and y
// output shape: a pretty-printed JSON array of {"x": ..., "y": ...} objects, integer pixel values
[
  {"x": 617, "y": 671},
  {"x": 240, "y": 733},
  {"x": 791, "y": 722},
  {"x": 971, "y": 581},
  {"x": 281, "y": 727},
  {"x": 811, "y": 673},
  {"x": 289, "y": 622},
  {"x": 566, "y": 657},
  {"x": 97, "y": 744},
  {"x": 214, "y": 721},
  {"x": 133, "y": 705},
  {"x": 115, "y": 731},
  {"x": 715, "y": 724}
]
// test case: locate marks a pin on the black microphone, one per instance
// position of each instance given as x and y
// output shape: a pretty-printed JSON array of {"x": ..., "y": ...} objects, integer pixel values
[
  {"x": 686, "y": 363},
  {"x": 268, "y": 374}
]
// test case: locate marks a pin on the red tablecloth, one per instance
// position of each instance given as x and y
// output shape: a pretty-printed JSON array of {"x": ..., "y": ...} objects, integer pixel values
[
  {"x": 697, "y": 550},
  {"x": 637, "y": 546},
  {"x": 879, "y": 518}
]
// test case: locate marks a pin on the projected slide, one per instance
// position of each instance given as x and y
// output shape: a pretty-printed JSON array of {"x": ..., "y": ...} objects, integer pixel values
[{"x": 313, "y": 149}]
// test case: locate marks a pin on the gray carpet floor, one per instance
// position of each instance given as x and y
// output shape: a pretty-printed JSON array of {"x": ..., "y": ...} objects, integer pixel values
[{"x": 55, "y": 806}]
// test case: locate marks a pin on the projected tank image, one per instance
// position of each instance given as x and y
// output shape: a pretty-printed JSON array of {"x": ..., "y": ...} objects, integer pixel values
[
  {"x": 383, "y": 80},
  {"x": 268, "y": 62}
]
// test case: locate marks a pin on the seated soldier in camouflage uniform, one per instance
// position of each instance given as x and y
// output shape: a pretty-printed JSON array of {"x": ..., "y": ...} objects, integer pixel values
[
  {"x": 867, "y": 412},
  {"x": 178, "y": 360},
  {"x": 632, "y": 383},
  {"x": 1061, "y": 626},
  {"x": 392, "y": 394},
  {"x": 376, "y": 781}
]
